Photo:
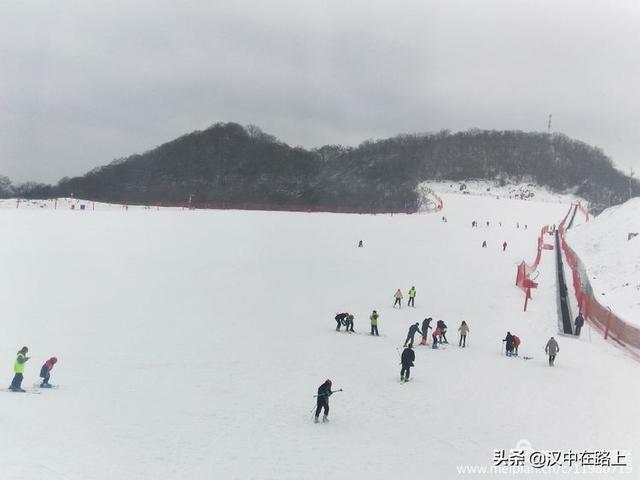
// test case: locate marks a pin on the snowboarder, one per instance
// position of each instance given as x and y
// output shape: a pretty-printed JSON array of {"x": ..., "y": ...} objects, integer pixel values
[
  {"x": 412, "y": 297},
  {"x": 484, "y": 244},
  {"x": 463, "y": 329},
  {"x": 442, "y": 338},
  {"x": 45, "y": 372},
  {"x": 509, "y": 340},
  {"x": 340, "y": 319},
  {"x": 504, "y": 246},
  {"x": 18, "y": 368},
  {"x": 324, "y": 392},
  {"x": 360, "y": 244},
  {"x": 552, "y": 349},
  {"x": 412, "y": 333},
  {"x": 374, "y": 323},
  {"x": 398, "y": 297},
  {"x": 579, "y": 322},
  {"x": 349, "y": 323},
  {"x": 407, "y": 359},
  {"x": 434, "y": 337},
  {"x": 516, "y": 344},
  {"x": 425, "y": 327}
]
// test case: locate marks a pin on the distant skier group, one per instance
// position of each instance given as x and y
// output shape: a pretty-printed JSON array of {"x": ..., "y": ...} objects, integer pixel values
[{"x": 19, "y": 366}]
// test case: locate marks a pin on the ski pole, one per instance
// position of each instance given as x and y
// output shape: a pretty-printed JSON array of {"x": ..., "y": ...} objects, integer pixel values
[{"x": 324, "y": 394}]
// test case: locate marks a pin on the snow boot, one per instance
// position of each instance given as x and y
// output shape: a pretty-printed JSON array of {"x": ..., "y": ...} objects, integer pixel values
[
  {"x": 315, "y": 419},
  {"x": 325, "y": 419}
]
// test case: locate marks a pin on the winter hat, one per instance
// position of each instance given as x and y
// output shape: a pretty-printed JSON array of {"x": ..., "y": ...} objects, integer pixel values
[
  {"x": 328, "y": 381},
  {"x": 53, "y": 360}
]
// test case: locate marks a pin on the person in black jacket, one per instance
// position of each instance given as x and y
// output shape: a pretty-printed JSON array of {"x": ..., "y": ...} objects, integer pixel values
[
  {"x": 324, "y": 392},
  {"x": 443, "y": 328},
  {"x": 509, "y": 340},
  {"x": 579, "y": 322},
  {"x": 412, "y": 333},
  {"x": 407, "y": 359},
  {"x": 426, "y": 326},
  {"x": 341, "y": 319}
]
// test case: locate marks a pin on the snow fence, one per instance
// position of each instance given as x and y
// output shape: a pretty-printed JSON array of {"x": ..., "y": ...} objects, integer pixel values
[{"x": 623, "y": 334}]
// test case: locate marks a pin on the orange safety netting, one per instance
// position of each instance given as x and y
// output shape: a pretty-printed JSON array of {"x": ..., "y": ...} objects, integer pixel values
[{"x": 623, "y": 334}]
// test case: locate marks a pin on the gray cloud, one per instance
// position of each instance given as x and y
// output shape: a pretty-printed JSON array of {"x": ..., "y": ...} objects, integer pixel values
[{"x": 82, "y": 83}]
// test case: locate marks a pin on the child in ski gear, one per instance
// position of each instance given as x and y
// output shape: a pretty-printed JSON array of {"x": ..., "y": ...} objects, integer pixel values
[
  {"x": 18, "y": 368},
  {"x": 516, "y": 344},
  {"x": 463, "y": 329},
  {"x": 374, "y": 323},
  {"x": 434, "y": 337},
  {"x": 509, "y": 340},
  {"x": 349, "y": 323},
  {"x": 398, "y": 297},
  {"x": 552, "y": 349},
  {"x": 579, "y": 322},
  {"x": 324, "y": 392},
  {"x": 340, "y": 318},
  {"x": 412, "y": 333},
  {"x": 412, "y": 297},
  {"x": 425, "y": 328},
  {"x": 407, "y": 359},
  {"x": 443, "y": 332},
  {"x": 45, "y": 372}
]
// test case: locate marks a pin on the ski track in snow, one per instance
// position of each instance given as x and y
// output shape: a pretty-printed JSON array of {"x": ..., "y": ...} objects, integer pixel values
[{"x": 191, "y": 344}]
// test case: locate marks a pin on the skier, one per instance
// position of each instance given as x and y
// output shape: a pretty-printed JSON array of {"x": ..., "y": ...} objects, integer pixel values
[
  {"x": 552, "y": 349},
  {"x": 425, "y": 327},
  {"x": 360, "y": 244},
  {"x": 398, "y": 297},
  {"x": 434, "y": 337},
  {"x": 349, "y": 323},
  {"x": 504, "y": 246},
  {"x": 484, "y": 244},
  {"x": 324, "y": 392},
  {"x": 509, "y": 340},
  {"x": 340, "y": 319},
  {"x": 18, "y": 368},
  {"x": 516, "y": 344},
  {"x": 45, "y": 372},
  {"x": 374, "y": 323},
  {"x": 579, "y": 322},
  {"x": 443, "y": 332},
  {"x": 412, "y": 333},
  {"x": 412, "y": 297},
  {"x": 463, "y": 329},
  {"x": 407, "y": 359},
  {"x": 487, "y": 223}
]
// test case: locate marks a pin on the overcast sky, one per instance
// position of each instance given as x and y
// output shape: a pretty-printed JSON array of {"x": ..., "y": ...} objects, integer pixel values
[{"x": 84, "y": 82}]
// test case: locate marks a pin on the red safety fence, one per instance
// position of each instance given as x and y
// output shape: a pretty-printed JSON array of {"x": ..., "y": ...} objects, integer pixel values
[
  {"x": 523, "y": 275},
  {"x": 621, "y": 333}
]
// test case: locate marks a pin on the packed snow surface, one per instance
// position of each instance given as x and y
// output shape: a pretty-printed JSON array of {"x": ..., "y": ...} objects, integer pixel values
[
  {"x": 611, "y": 258},
  {"x": 191, "y": 343}
]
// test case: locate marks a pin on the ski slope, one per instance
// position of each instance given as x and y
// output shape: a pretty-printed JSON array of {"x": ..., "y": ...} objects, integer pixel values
[{"x": 191, "y": 343}]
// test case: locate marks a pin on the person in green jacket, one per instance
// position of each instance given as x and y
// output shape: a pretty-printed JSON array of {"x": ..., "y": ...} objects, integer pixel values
[
  {"x": 18, "y": 368},
  {"x": 374, "y": 323},
  {"x": 412, "y": 297}
]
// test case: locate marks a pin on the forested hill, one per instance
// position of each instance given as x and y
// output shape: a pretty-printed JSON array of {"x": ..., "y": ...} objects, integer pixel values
[{"x": 229, "y": 163}]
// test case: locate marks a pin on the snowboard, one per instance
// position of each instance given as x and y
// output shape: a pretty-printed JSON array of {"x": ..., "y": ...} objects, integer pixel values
[{"x": 34, "y": 392}]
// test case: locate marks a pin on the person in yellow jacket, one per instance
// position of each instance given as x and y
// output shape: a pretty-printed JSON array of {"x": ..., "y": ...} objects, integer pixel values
[
  {"x": 398, "y": 297},
  {"x": 374, "y": 323},
  {"x": 412, "y": 297},
  {"x": 18, "y": 368}
]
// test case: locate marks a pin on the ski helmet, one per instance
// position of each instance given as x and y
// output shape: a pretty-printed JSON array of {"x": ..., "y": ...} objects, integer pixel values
[{"x": 328, "y": 381}]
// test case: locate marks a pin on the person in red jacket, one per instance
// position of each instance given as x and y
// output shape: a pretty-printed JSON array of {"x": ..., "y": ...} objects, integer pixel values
[
  {"x": 45, "y": 372},
  {"x": 516, "y": 344}
]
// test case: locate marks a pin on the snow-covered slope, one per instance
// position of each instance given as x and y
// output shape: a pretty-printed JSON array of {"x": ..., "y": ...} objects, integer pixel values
[
  {"x": 611, "y": 259},
  {"x": 191, "y": 344}
]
